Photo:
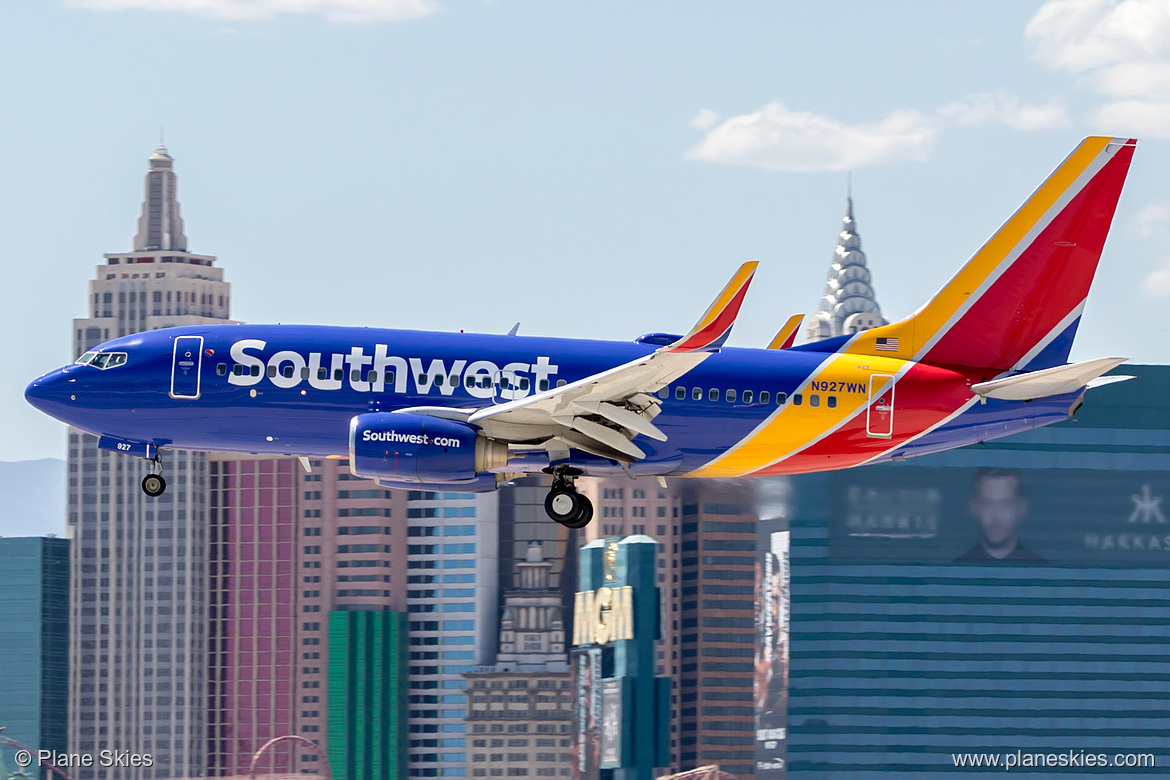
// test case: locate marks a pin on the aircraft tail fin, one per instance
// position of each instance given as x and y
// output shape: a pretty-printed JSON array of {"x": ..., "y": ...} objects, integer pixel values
[{"x": 1016, "y": 304}]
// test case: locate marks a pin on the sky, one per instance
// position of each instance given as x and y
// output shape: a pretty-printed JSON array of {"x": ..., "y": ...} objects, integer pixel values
[{"x": 588, "y": 169}]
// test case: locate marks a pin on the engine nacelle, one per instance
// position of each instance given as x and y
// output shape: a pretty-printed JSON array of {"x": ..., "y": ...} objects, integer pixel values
[{"x": 415, "y": 448}]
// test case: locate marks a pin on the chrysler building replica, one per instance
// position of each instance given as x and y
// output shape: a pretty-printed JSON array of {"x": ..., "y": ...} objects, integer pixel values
[{"x": 848, "y": 305}]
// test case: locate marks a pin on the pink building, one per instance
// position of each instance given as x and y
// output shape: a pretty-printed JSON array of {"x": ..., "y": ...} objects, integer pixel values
[
  {"x": 351, "y": 543},
  {"x": 252, "y": 609}
]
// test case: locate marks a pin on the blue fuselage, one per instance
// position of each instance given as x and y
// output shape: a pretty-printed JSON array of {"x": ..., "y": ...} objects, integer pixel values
[{"x": 293, "y": 390}]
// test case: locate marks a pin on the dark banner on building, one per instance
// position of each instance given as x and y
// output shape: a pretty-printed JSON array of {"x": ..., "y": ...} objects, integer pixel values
[
  {"x": 587, "y": 711},
  {"x": 1062, "y": 517},
  {"x": 771, "y": 660}
]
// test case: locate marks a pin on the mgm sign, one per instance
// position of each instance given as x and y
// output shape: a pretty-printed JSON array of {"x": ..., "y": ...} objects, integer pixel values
[{"x": 603, "y": 616}]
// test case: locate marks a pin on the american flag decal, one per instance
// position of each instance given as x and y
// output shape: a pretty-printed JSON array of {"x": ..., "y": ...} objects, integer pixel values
[{"x": 886, "y": 345}]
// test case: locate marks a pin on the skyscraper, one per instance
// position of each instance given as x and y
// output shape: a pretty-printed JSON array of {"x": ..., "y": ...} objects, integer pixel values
[
  {"x": 452, "y": 597},
  {"x": 138, "y": 593},
  {"x": 848, "y": 304},
  {"x": 351, "y": 557},
  {"x": 625, "y": 507},
  {"x": 252, "y": 666},
  {"x": 34, "y": 601},
  {"x": 520, "y": 709}
]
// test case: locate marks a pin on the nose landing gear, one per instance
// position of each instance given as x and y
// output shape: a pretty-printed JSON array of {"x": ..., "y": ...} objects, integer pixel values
[
  {"x": 563, "y": 503},
  {"x": 153, "y": 483}
]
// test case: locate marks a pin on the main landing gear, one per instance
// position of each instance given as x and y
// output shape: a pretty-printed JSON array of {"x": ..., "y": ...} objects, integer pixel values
[
  {"x": 563, "y": 503},
  {"x": 153, "y": 483}
]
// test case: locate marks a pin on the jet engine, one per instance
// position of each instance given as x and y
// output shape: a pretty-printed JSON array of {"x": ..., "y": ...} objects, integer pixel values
[{"x": 415, "y": 448}]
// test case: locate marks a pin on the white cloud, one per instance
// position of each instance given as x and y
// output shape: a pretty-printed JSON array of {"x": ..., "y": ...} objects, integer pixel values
[
  {"x": 778, "y": 139},
  {"x": 342, "y": 11},
  {"x": 705, "y": 120},
  {"x": 1157, "y": 283},
  {"x": 781, "y": 139},
  {"x": 1153, "y": 219},
  {"x": 1000, "y": 108},
  {"x": 1120, "y": 49}
]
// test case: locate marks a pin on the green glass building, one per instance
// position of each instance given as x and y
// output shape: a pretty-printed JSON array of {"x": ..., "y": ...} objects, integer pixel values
[
  {"x": 34, "y": 627},
  {"x": 367, "y": 695}
]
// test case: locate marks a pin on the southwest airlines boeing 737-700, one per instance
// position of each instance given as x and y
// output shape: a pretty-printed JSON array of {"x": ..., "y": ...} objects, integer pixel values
[{"x": 985, "y": 358}]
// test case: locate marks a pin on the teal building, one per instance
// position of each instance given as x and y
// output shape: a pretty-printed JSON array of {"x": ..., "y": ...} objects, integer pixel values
[
  {"x": 34, "y": 626},
  {"x": 622, "y": 717},
  {"x": 367, "y": 695},
  {"x": 1007, "y": 598}
]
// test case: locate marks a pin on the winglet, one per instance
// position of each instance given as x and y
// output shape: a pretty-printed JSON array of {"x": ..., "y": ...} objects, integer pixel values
[
  {"x": 713, "y": 328},
  {"x": 787, "y": 334}
]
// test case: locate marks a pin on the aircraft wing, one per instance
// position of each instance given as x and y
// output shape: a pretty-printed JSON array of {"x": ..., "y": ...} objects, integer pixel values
[{"x": 602, "y": 413}]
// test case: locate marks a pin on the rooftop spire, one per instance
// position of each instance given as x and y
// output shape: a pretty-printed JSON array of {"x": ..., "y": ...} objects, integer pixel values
[
  {"x": 848, "y": 304},
  {"x": 160, "y": 227}
]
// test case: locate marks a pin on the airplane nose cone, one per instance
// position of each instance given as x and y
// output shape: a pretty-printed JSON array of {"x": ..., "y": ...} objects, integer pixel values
[{"x": 49, "y": 393}]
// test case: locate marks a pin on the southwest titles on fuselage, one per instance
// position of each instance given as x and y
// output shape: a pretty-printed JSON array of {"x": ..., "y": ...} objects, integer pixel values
[{"x": 370, "y": 373}]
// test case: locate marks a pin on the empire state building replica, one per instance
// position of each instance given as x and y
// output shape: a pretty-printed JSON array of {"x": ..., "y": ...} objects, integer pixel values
[{"x": 138, "y": 588}]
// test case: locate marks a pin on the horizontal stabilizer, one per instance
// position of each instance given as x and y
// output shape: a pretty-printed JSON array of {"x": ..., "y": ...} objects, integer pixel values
[
  {"x": 1050, "y": 381},
  {"x": 787, "y": 334},
  {"x": 1101, "y": 381}
]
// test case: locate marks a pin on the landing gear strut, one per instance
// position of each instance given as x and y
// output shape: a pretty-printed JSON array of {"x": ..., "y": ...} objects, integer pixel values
[
  {"x": 563, "y": 503},
  {"x": 153, "y": 483}
]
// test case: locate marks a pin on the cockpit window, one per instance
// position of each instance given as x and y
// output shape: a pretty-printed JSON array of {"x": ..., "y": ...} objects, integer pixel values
[{"x": 102, "y": 359}]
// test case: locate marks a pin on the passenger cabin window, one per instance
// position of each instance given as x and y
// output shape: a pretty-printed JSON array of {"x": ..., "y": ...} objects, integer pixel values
[
  {"x": 747, "y": 396},
  {"x": 271, "y": 371},
  {"x": 524, "y": 383},
  {"x": 561, "y": 383},
  {"x": 814, "y": 400},
  {"x": 781, "y": 398},
  {"x": 255, "y": 371},
  {"x": 765, "y": 396},
  {"x": 664, "y": 392},
  {"x": 221, "y": 369},
  {"x": 797, "y": 399},
  {"x": 730, "y": 396},
  {"x": 372, "y": 377},
  {"x": 713, "y": 394},
  {"x": 304, "y": 372},
  {"x": 697, "y": 394},
  {"x": 680, "y": 392},
  {"x": 322, "y": 373},
  {"x": 286, "y": 372},
  {"x": 831, "y": 402},
  {"x": 339, "y": 374},
  {"x": 237, "y": 369}
]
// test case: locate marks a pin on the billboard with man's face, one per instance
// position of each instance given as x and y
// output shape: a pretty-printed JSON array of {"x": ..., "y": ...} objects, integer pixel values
[{"x": 1067, "y": 517}]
